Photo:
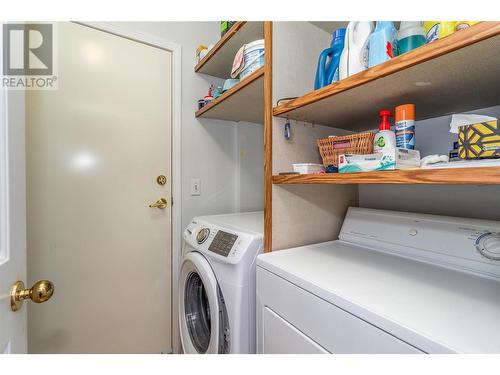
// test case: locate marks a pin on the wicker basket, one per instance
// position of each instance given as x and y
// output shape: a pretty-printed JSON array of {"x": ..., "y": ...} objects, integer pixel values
[{"x": 331, "y": 148}]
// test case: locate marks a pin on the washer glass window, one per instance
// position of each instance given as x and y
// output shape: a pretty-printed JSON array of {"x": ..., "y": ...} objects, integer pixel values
[{"x": 197, "y": 310}]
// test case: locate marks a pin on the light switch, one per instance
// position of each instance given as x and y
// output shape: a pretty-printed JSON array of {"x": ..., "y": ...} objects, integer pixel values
[{"x": 195, "y": 186}]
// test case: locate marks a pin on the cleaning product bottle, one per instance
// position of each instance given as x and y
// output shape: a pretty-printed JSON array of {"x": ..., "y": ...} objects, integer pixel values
[
  {"x": 435, "y": 30},
  {"x": 382, "y": 43},
  {"x": 354, "y": 58},
  {"x": 447, "y": 28},
  {"x": 329, "y": 60},
  {"x": 405, "y": 126},
  {"x": 460, "y": 25},
  {"x": 209, "y": 97},
  {"x": 431, "y": 29},
  {"x": 385, "y": 138},
  {"x": 411, "y": 35}
]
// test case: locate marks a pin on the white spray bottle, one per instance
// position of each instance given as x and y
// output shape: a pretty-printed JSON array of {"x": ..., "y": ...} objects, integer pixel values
[{"x": 354, "y": 58}]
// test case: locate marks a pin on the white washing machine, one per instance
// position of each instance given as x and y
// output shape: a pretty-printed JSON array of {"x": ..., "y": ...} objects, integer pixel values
[
  {"x": 217, "y": 283},
  {"x": 394, "y": 282}
]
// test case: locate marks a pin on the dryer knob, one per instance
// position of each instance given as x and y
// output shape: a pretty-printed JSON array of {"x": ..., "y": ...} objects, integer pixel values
[
  {"x": 489, "y": 246},
  {"x": 202, "y": 235}
]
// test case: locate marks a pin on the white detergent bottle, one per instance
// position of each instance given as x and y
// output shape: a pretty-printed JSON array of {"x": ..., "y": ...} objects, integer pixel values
[{"x": 354, "y": 58}]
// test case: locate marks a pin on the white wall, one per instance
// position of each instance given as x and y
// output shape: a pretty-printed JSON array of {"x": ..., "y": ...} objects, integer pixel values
[
  {"x": 433, "y": 136},
  {"x": 250, "y": 171},
  {"x": 297, "y": 46}
]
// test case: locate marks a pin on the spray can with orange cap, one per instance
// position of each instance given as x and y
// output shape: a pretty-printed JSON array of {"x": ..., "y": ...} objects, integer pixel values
[{"x": 405, "y": 126}]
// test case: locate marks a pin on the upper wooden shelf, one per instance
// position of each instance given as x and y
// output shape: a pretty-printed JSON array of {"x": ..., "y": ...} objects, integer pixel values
[
  {"x": 243, "y": 102},
  {"x": 449, "y": 176},
  {"x": 219, "y": 59},
  {"x": 457, "y": 73}
]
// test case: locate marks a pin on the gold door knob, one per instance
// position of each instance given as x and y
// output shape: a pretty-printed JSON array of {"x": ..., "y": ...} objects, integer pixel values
[
  {"x": 161, "y": 180},
  {"x": 40, "y": 292},
  {"x": 160, "y": 203}
]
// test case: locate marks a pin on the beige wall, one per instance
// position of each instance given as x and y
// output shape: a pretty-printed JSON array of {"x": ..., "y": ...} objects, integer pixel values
[
  {"x": 308, "y": 213},
  {"x": 250, "y": 170}
]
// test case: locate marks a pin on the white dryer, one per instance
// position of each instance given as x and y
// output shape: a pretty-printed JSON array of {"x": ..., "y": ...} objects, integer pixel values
[
  {"x": 217, "y": 283},
  {"x": 394, "y": 282}
]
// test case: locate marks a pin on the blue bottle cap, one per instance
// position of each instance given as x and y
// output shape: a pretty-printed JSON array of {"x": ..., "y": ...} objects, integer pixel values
[{"x": 339, "y": 33}]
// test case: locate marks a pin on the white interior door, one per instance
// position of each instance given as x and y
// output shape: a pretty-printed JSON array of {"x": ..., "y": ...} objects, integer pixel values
[
  {"x": 12, "y": 219},
  {"x": 95, "y": 148}
]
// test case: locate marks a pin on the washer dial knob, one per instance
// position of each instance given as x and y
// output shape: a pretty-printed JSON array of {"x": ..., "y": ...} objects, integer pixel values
[
  {"x": 202, "y": 235},
  {"x": 489, "y": 245}
]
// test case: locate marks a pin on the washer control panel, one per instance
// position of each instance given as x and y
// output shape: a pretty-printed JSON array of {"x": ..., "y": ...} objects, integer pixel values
[
  {"x": 488, "y": 245},
  {"x": 202, "y": 235},
  {"x": 221, "y": 243}
]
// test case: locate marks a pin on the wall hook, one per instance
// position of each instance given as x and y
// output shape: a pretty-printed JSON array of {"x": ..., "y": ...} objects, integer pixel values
[{"x": 288, "y": 131}]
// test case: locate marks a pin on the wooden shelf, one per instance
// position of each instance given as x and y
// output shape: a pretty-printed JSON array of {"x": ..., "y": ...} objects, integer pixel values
[
  {"x": 449, "y": 176},
  {"x": 454, "y": 74},
  {"x": 219, "y": 59},
  {"x": 243, "y": 102}
]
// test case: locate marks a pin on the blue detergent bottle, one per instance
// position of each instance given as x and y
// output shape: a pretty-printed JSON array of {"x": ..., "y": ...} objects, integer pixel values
[
  {"x": 382, "y": 43},
  {"x": 329, "y": 59}
]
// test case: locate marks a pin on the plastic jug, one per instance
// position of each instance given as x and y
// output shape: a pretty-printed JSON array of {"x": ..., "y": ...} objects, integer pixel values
[
  {"x": 354, "y": 58},
  {"x": 460, "y": 25},
  {"x": 382, "y": 43},
  {"x": 435, "y": 30},
  {"x": 411, "y": 35},
  {"x": 328, "y": 61}
]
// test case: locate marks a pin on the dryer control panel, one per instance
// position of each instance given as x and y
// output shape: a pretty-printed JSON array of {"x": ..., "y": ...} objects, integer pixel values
[
  {"x": 470, "y": 245},
  {"x": 488, "y": 244},
  {"x": 223, "y": 243}
]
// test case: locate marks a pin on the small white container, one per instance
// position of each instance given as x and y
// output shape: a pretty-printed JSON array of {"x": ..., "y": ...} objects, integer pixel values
[
  {"x": 253, "y": 58},
  {"x": 306, "y": 168}
]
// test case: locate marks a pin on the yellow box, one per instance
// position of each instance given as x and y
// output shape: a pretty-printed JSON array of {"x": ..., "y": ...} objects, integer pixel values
[{"x": 479, "y": 141}]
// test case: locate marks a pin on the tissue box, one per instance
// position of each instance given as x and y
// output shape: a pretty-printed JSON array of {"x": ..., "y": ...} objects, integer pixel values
[
  {"x": 306, "y": 168},
  {"x": 479, "y": 141},
  {"x": 397, "y": 158}
]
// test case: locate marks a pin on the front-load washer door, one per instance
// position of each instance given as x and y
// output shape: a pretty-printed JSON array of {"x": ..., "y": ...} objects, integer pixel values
[{"x": 202, "y": 313}]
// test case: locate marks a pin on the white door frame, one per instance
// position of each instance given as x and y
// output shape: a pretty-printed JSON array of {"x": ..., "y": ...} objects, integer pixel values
[
  {"x": 4, "y": 180},
  {"x": 175, "y": 49},
  {"x": 12, "y": 214}
]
